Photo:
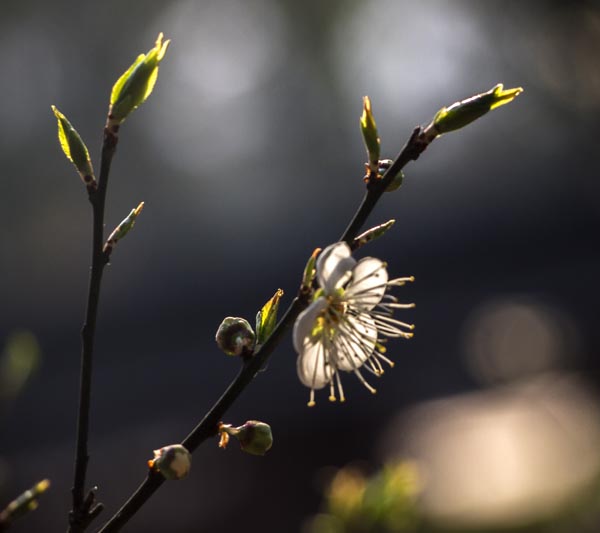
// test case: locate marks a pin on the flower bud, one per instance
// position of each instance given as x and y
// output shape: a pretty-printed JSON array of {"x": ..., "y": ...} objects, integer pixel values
[
  {"x": 136, "y": 83},
  {"x": 173, "y": 462},
  {"x": 459, "y": 114},
  {"x": 123, "y": 228},
  {"x": 235, "y": 336},
  {"x": 75, "y": 149},
  {"x": 255, "y": 437}
]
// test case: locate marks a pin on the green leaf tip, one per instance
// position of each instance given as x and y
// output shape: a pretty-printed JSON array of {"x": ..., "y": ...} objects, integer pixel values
[
  {"x": 460, "y": 114},
  {"x": 266, "y": 318},
  {"x": 75, "y": 149},
  {"x": 136, "y": 83}
]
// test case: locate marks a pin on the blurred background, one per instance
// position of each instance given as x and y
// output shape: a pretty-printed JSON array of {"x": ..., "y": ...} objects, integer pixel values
[{"x": 248, "y": 155}]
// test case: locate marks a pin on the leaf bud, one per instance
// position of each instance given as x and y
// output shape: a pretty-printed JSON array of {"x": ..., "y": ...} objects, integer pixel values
[
  {"x": 136, "y": 84},
  {"x": 310, "y": 272},
  {"x": 462, "y": 113},
  {"x": 235, "y": 336},
  {"x": 370, "y": 136},
  {"x": 266, "y": 318},
  {"x": 372, "y": 234},
  {"x": 75, "y": 149},
  {"x": 173, "y": 461},
  {"x": 123, "y": 228}
]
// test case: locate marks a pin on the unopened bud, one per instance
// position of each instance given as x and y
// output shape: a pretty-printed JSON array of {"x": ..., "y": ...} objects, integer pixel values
[
  {"x": 235, "y": 336},
  {"x": 255, "y": 437},
  {"x": 173, "y": 462},
  {"x": 136, "y": 83}
]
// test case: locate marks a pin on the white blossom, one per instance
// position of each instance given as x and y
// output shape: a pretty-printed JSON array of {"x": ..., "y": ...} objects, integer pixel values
[{"x": 344, "y": 328}]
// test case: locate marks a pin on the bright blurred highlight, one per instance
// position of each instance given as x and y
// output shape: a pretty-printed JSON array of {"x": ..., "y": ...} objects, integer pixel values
[
  {"x": 516, "y": 455},
  {"x": 512, "y": 337}
]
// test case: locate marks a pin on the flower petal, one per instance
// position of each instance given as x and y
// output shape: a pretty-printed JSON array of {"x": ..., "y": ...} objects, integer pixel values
[
  {"x": 334, "y": 266},
  {"x": 368, "y": 285},
  {"x": 355, "y": 342},
  {"x": 314, "y": 368},
  {"x": 306, "y": 321}
]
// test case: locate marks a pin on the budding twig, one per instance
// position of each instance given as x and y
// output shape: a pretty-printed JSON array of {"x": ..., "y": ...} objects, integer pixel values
[{"x": 209, "y": 425}]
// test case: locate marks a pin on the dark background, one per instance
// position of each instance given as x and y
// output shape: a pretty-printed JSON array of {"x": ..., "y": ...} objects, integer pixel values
[{"x": 248, "y": 156}]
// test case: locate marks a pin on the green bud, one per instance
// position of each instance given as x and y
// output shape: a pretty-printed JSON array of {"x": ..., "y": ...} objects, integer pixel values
[
  {"x": 370, "y": 135},
  {"x": 123, "y": 228},
  {"x": 266, "y": 318},
  {"x": 173, "y": 462},
  {"x": 372, "y": 234},
  {"x": 75, "y": 149},
  {"x": 235, "y": 336},
  {"x": 255, "y": 437},
  {"x": 459, "y": 114},
  {"x": 136, "y": 83}
]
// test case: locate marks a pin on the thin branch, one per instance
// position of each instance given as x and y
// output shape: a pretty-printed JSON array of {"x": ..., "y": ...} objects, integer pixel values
[
  {"x": 208, "y": 427},
  {"x": 85, "y": 508},
  {"x": 411, "y": 151}
]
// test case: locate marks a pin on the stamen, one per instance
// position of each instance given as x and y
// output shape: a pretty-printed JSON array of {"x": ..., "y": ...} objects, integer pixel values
[
  {"x": 398, "y": 282},
  {"x": 378, "y": 364},
  {"x": 311, "y": 401},
  {"x": 363, "y": 381},
  {"x": 398, "y": 306},
  {"x": 390, "y": 320},
  {"x": 340, "y": 389},
  {"x": 332, "y": 397},
  {"x": 384, "y": 358}
]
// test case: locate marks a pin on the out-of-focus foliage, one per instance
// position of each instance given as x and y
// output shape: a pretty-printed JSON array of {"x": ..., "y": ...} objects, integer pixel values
[
  {"x": 389, "y": 501},
  {"x": 356, "y": 503},
  {"x": 19, "y": 359},
  {"x": 23, "y": 504}
]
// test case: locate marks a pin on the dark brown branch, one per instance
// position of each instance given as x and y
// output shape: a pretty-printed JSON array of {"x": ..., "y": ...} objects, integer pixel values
[{"x": 85, "y": 508}]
